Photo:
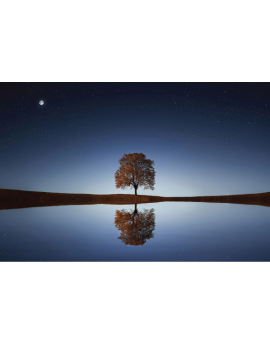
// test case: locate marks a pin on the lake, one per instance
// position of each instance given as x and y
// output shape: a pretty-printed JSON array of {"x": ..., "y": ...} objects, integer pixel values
[{"x": 165, "y": 231}]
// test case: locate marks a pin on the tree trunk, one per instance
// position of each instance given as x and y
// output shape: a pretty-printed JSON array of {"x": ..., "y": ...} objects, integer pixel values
[{"x": 135, "y": 190}]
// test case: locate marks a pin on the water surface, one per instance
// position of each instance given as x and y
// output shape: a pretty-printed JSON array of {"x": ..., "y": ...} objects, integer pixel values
[{"x": 169, "y": 231}]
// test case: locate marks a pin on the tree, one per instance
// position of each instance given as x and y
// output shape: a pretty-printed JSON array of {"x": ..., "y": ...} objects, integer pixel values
[
  {"x": 135, "y": 170},
  {"x": 136, "y": 227}
]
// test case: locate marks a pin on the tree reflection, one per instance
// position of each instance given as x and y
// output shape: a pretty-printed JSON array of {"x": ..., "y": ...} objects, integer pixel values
[{"x": 136, "y": 227}]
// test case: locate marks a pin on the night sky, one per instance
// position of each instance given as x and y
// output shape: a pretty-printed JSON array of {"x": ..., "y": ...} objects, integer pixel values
[{"x": 205, "y": 138}]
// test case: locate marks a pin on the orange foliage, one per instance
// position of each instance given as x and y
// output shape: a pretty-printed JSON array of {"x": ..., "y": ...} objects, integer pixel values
[
  {"x": 135, "y": 171},
  {"x": 136, "y": 227}
]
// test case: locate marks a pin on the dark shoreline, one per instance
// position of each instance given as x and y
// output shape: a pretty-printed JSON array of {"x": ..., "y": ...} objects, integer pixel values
[{"x": 12, "y": 199}]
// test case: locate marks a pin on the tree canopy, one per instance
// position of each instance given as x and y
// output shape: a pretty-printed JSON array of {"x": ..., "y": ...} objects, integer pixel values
[{"x": 135, "y": 171}]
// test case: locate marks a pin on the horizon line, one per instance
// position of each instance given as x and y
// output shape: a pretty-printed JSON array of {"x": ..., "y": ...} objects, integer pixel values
[{"x": 22, "y": 190}]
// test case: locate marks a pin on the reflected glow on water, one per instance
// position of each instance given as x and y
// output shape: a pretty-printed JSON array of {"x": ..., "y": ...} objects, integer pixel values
[{"x": 168, "y": 231}]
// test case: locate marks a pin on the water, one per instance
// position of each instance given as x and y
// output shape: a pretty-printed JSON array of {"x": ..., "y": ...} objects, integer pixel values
[{"x": 169, "y": 231}]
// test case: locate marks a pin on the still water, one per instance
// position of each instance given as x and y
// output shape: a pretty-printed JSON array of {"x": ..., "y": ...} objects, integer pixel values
[{"x": 169, "y": 231}]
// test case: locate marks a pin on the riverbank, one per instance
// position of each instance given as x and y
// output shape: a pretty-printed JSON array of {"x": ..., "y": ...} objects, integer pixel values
[{"x": 12, "y": 198}]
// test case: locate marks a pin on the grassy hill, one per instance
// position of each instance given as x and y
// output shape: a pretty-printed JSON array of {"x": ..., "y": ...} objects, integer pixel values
[{"x": 12, "y": 198}]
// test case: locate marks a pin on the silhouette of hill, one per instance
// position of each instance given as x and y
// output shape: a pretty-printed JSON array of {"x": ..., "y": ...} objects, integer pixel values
[{"x": 13, "y": 198}]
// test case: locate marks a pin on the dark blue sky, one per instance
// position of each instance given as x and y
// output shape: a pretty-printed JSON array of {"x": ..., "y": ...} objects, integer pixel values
[{"x": 205, "y": 138}]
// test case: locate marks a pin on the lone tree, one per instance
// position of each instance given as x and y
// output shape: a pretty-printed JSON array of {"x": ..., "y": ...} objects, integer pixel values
[{"x": 135, "y": 170}]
